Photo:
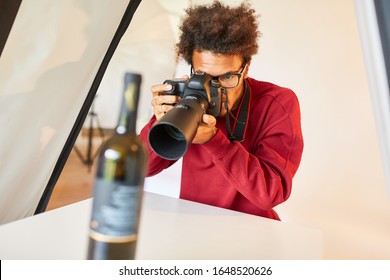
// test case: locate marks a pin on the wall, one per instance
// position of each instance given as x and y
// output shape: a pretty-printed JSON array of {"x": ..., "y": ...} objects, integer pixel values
[{"x": 314, "y": 48}]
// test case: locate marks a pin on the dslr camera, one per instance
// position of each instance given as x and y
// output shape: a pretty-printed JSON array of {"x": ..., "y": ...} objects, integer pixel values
[{"x": 172, "y": 134}]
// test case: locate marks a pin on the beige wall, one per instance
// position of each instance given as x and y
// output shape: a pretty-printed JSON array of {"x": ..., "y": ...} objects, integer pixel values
[{"x": 314, "y": 47}]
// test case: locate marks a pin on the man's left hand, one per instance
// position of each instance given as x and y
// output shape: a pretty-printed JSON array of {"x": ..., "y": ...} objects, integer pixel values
[{"x": 206, "y": 130}]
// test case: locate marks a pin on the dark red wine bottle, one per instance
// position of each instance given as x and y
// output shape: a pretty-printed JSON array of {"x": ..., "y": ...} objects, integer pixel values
[{"x": 118, "y": 186}]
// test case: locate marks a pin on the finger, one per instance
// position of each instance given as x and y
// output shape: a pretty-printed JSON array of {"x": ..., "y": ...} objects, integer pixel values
[
  {"x": 161, "y": 110},
  {"x": 158, "y": 89},
  {"x": 209, "y": 120},
  {"x": 155, "y": 101},
  {"x": 158, "y": 112},
  {"x": 164, "y": 99},
  {"x": 165, "y": 108}
]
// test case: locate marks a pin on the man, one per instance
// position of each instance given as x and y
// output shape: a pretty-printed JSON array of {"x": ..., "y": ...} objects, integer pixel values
[{"x": 246, "y": 169}]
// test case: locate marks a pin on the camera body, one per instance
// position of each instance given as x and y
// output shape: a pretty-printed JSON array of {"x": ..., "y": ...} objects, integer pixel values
[
  {"x": 199, "y": 85},
  {"x": 173, "y": 133}
]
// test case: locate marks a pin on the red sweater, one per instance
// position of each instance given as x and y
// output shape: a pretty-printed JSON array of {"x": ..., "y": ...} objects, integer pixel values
[{"x": 252, "y": 176}]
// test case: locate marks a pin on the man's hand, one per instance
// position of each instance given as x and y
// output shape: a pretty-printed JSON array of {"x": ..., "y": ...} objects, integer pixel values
[
  {"x": 162, "y": 103},
  {"x": 206, "y": 130}
]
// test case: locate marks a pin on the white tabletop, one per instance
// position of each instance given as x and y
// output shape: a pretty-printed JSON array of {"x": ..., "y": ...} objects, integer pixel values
[{"x": 170, "y": 228}]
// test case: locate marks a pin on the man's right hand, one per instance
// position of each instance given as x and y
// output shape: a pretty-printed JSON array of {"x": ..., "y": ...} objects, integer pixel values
[{"x": 161, "y": 102}]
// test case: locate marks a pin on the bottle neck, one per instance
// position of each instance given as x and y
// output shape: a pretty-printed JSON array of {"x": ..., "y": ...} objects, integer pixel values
[
  {"x": 127, "y": 120},
  {"x": 128, "y": 114}
]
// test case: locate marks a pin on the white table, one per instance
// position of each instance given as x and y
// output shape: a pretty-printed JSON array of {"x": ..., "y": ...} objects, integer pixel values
[{"x": 170, "y": 228}]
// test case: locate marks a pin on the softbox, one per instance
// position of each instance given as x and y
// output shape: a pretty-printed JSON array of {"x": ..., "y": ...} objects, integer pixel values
[{"x": 53, "y": 57}]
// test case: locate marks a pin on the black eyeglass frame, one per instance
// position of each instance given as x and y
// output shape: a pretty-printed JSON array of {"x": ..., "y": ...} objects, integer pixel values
[{"x": 238, "y": 75}]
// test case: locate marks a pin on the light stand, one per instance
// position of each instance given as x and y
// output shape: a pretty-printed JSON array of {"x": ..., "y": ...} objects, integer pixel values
[{"x": 90, "y": 156}]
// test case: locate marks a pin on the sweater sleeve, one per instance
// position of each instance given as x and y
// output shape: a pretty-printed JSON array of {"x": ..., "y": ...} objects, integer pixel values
[
  {"x": 156, "y": 163},
  {"x": 264, "y": 172}
]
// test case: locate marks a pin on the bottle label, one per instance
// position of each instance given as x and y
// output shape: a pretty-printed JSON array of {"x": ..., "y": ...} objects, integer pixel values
[{"x": 115, "y": 211}]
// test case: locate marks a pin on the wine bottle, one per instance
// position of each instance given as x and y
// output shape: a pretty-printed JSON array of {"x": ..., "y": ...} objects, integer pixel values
[{"x": 118, "y": 186}]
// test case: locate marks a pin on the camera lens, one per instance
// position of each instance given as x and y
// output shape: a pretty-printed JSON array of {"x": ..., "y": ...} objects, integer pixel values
[{"x": 174, "y": 133}]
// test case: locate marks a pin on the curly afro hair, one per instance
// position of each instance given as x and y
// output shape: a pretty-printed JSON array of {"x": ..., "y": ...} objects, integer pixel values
[{"x": 219, "y": 29}]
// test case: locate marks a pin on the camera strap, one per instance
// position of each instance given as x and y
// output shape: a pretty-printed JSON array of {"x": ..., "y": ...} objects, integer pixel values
[{"x": 241, "y": 120}]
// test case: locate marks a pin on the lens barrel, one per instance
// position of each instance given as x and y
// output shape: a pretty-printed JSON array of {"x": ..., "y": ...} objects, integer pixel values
[{"x": 174, "y": 132}]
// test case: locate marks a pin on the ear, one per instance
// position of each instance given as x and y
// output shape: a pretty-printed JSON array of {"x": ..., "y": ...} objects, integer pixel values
[{"x": 248, "y": 64}]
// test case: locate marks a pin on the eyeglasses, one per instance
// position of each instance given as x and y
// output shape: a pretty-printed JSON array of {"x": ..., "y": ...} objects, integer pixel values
[{"x": 228, "y": 80}]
